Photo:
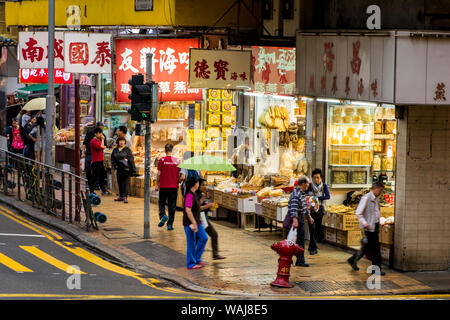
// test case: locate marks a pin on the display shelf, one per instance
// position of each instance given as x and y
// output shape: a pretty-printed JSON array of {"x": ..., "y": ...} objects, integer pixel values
[
  {"x": 350, "y": 186},
  {"x": 350, "y": 165},
  {"x": 352, "y": 145},
  {"x": 352, "y": 124}
]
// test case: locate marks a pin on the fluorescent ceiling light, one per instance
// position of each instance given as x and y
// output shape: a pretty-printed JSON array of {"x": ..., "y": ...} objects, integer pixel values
[
  {"x": 328, "y": 100},
  {"x": 255, "y": 94},
  {"x": 364, "y": 103},
  {"x": 283, "y": 97},
  {"x": 306, "y": 99}
]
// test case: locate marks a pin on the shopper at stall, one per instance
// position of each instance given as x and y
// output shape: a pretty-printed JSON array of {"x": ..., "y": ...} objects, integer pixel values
[
  {"x": 167, "y": 184},
  {"x": 196, "y": 237},
  {"x": 26, "y": 117},
  {"x": 186, "y": 174},
  {"x": 320, "y": 190},
  {"x": 86, "y": 149},
  {"x": 202, "y": 195},
  {"x": 368, "y": 213},
  {"x": 97, "y": 145},
  {"x": 297, "y": 210},
  {"x": 123, "y": 161},
  {"x": 31, "y": 138},
  {"x": 123, "y": 132},
  {"x": 16, "y": 137}
]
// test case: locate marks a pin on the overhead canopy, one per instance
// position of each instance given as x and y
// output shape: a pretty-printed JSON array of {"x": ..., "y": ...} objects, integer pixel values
[{"x": 32, "y": 91}]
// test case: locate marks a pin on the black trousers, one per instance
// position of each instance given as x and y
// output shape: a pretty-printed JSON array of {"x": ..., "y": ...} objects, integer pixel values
[
  {"x": 315, "y": 232},
  {"x": 123, "y": 180},
  {"x": 212, "y": 233},
  {"x": 372, "y": 248},
  {"x": 168, "y": 196},
  {"x": 98, "y": 176},
  {"x": 301, "y": 241},
  {"x": 88, "y": 171}
]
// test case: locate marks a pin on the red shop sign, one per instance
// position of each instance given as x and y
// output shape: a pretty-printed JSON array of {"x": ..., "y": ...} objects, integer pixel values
[
  {"x": 41, "y": 76},
  {"x": 273, "y": 70},
  {"x": 170, "y": 67}
]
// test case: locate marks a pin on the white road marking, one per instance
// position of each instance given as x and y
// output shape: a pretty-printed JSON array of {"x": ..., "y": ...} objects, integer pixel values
[{"x": 22, "y": 235}]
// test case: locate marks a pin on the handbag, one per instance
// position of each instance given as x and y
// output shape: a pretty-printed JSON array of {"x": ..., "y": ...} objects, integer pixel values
[
  {"x": 292, "y": 235},
  {"x": 125, "y": 165}
]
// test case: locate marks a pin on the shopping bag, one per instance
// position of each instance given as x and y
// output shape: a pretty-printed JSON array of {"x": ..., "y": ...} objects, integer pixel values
[
  {"x": 292, "y": 235},
  {"x": 203, "y": 220}
]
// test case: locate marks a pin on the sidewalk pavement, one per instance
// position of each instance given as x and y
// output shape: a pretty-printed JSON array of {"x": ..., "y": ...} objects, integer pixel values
[{"x": 250, "y": 263}]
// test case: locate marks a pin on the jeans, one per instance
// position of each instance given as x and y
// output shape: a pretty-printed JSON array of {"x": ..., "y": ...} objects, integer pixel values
[
  {"x": 123, "y": 180},
  {"x": 372, "y": 248},
  {"x": 98, "y": 176},
  {"x": 169, "y": 196},
  {"x": 195, "y": 245}
]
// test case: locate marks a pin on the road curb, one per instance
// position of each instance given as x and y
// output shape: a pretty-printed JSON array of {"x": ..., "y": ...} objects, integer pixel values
[
  {"x": 126, "y": 262},
  {"x": 113, "y": 254}
]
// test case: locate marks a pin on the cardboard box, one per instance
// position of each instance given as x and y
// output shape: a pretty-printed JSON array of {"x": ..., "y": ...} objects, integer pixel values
[
  {"x": 330, "y": 234},
  {"x": 281, "y": 213},
  {"x": 326, "y": 219},
  {"x": 387, "y": 253},
  {"x": 140, "y": 182},
  {"x": 140, "y": 169},
  {"x": 115, "y": 184},
  {"x": 247, "y": 205},
  {"x": 387, "y": 211},
  {"x": 140, "y": 192},
  {"x": 347, "y": 222},
  {"x": 132, "y": 186},
  {"x": 387, "y": 234},
  {"x": 349, "y": 238}
]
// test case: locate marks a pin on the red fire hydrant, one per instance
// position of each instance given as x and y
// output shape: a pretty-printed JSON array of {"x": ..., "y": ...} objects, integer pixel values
[{"x": 286, "y": 249}]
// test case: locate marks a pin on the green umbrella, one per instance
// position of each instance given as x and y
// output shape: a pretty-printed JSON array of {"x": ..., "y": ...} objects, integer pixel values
[{"x": 207, "y": 163}]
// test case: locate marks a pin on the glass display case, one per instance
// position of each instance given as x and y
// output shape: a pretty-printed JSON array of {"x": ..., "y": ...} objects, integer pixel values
[{"x": 350, "y": 145}]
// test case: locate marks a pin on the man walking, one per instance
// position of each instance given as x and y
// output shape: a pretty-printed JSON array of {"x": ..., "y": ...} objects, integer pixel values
[
  {"x": 297, "y": 210},
  {"x": 368, "y": 213},
  {"x": 97, "y": 145},
  {"x": 167, "y": 184}
]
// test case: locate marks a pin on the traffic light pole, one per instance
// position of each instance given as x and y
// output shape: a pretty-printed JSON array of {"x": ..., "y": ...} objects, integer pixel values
[{"x": 148, "y": 157}]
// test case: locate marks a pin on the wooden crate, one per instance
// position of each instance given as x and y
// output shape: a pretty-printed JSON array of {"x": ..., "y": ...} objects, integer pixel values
[
  {"x": 218, "y": 197},
  {"x": 330, "y": 234},
  {"x": 387, "y": 234}
]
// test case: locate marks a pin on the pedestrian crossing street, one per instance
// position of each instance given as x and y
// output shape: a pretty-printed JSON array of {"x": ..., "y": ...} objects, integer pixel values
[{"x": 34, "y": 252}]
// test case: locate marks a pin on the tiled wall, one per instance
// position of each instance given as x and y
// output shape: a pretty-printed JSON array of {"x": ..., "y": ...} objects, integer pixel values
[{"x": 422, "y": 233}]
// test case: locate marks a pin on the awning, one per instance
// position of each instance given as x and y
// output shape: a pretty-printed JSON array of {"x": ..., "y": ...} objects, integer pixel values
[{"x": 33, "y": 91}]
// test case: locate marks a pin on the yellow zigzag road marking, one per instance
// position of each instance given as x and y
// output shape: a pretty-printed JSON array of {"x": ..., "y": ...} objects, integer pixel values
[
  {"x": 49, "y": 259},
  {"x": 10, "y": 263},
  {"x": 90, "y": 257}
]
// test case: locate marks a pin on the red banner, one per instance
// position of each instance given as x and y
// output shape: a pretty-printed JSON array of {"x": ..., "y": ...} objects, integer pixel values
[
  {"x": 41, "y": 76},
  {"x": 273, "y": 70},
  {"x": 170, "y": 67}
]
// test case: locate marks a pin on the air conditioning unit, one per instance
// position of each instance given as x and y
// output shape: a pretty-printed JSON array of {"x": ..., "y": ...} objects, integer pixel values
[
  {"x": 271, "y": 17},
  {"x": 291, "y": 17}
]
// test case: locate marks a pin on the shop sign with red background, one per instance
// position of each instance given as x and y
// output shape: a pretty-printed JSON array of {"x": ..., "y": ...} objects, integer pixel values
[
  {"x": 170, "y": 67},
  {"x": 41, "y": 76},
  {"x": 273, "y": 70}
]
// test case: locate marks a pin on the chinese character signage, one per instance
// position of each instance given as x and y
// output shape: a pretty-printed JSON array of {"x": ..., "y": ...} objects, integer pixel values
[
  {"x": 220, "y": 69},
  {"x": 346, "y": 67},
  {"x": 33, "y": 50},
  {"x": 41, "y": 76},
  {"x": 170, "y": 67},
  {"x": 87, "y": 52},
  {"x": 273, "y": 70}
]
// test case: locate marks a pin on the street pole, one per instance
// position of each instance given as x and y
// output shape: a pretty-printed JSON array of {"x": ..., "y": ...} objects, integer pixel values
[
  {"x": 148, "y": 157},
  {"x": 77, "y": 149},
  {"x": 50, "y": 101}
]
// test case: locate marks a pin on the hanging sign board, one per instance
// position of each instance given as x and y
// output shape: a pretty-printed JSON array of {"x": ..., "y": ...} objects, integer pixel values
[
  {"x": 33, "y": 50},
  {"x": 220, "y": 69}
]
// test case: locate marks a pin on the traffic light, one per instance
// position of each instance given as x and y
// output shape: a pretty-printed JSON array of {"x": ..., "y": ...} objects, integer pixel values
[{"x": 144, "y": 99}]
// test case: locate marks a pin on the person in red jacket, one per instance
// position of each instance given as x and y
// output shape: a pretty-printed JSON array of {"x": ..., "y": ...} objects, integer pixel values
[
  {"x": 97, "y": 146},
  {"x": 167, "y": 184}
]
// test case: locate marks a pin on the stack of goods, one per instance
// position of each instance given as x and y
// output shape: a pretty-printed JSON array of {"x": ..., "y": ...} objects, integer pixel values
[
  {"x": 65, "y": 135},
  {"x": 168, "y": 134},
  {"x": 275, "y": 118},
  {"x": 172, "y": 112},
  {"x": 342, "y": 226},
  {"x": 221, "y": 115}
]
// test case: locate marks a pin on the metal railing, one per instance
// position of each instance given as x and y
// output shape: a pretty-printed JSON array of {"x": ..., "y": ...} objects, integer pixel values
[{"x": 50, "y": 189}]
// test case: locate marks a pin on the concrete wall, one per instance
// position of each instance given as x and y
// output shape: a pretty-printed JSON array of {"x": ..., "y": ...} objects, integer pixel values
[{"x": 422, "y": 213}]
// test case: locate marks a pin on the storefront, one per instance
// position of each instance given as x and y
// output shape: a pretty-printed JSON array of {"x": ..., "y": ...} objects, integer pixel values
[{"x": 350, "y": 84}]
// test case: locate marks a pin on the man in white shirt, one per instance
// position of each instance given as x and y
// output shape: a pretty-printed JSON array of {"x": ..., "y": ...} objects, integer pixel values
[
  {"x": 368, "y": 213},
  {"x": 123, "y": 132}
]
